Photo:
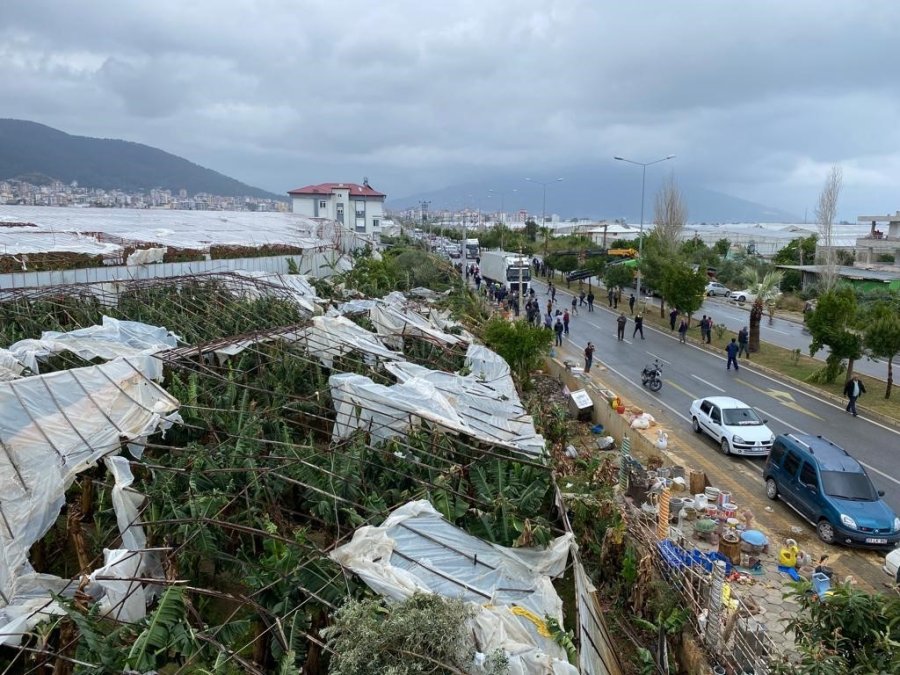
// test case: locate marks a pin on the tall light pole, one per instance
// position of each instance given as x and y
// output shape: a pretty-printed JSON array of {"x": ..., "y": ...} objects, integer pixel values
[
  {"x": 544, "y": 185},
  {"x": 643, "y": 166},
  {"x": 494, "y": 193}
]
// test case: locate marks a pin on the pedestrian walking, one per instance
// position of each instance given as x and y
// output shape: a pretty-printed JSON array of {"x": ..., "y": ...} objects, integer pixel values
[
  {"x": 574, "y": 306},
  {"x": 704, "y": 327},
  {"x": 743, "y": 339},
  {"x": 709, "y": 327},
  {"x": 610, "y": 294},
  {"x": 588, "y": 357},
  {"x": 590, "y": 299},
  {"x": 549, "y": 306},
  {"x": 631, "y": 304},
  {"x": 566, "y": 322},
  {"x": 682, "y": 329},
  {"x": 638, "y": 326},
  {"x": 621, "y": 321},
  {"x": 853, "y": 390},
  {"x": 731, "y": 350},
  {"x": 673, "y": 317},
  {"x": 617, "y": 295},
  {"x": 581, "y": 297},
  {"x": 548, "y": 321},
  {"x": 553, "y": 292},
  {"x": 558, "y": 329}
]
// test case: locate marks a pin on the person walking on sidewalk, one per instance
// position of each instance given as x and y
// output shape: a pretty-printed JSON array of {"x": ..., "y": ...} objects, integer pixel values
[
  {"x": 590, "y": 299},
  {"x": 704, "y": 327},
  {"x": 558, "y": 329},
  {"x": 580, "y": 298},
  {"x": 621, "y": 321},
  {"x": 731, "y": 350},
  {"x": 610, "y": 294},
  {"x": 631, "y": 304},
  {"x": 853, "y": 390},
  {"x": 566, "y": 322},
  {"x": 574, "y": 306},
  {"x": 709, "y": 328},
  {"x": 743, "y": 341},
  {"x": 673, "y": 317},
  {"x": 588, "y": 357},
  {"x": 638, "y": 326},
  {"x": 682, "y": 329}
]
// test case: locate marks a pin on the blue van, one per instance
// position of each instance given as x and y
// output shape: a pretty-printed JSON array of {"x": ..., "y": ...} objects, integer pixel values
[{"x": 831, "y": 490}]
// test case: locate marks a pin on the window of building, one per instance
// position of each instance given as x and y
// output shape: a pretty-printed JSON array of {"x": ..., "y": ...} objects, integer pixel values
[
  {"x": 360, "y": 228},
  {"x": 360, "y": 209},
  {"x": 376, "y": 222},
  {"x": 323, "y": 204}
]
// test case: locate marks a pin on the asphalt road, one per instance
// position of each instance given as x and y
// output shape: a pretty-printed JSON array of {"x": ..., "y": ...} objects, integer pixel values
[{"x": 691, "y": 372}]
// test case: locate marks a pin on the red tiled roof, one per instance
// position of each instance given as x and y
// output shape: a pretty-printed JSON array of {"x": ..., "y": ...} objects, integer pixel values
[{"x": 329, "y": 188}]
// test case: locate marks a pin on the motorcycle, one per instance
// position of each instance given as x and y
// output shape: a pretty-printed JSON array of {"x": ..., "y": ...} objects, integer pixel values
[{"x": 651, "y": 376}]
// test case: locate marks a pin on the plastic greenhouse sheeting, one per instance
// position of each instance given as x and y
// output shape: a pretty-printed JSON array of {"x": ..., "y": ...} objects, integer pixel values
[
  {"x": 294, "y": 286},
  {"x": 483, "y": 404},
  {"x": 333, "y": 336},
  {"x": 51, "y": 428},
  {"x": 393, "y": 319},
  {"x": 510, "y": 589},
  {"x": 112, "y": 339}
]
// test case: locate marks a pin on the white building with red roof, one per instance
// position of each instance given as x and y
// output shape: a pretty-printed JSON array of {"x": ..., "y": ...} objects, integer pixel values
[{"x": 360, "y": 208}]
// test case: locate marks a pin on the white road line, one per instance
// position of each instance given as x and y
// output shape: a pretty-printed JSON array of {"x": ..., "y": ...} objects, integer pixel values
[
  {"x": 775, "y": 330},
  {"x": 787, "y": 424},
  {"x": 660, "y": 358},
  {"x": 880, "y": 473},
  {"x": 708, "y": 384}
]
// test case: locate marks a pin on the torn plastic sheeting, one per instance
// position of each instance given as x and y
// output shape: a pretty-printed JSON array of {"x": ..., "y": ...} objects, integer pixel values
[
  {"x": 10, "y": 366},
  {"x": 123, "y": 598},
  {"x": 491, "y": 411},
  {"x": 330, "y": 337},
  {"x": 146, "y": 256},
  {"x": 392, "y": 321},
  {"x": 296, "y": 286},
  {"x": 415, "y": 549},
  {"x": 112, "y": 339},
  {"x": 54, "y": 426}
]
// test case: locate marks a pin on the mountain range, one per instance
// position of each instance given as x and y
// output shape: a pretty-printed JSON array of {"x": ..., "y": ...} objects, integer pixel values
[
  {"x": 29, "y": 150},
  {"x": 602, "y": 191}
]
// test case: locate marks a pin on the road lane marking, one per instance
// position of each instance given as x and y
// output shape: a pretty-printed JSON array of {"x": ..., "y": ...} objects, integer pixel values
[
  {"x": 659, "y": 358},
  {"x": 774, "y": 417},
  {"x": 682, "y": 390},
  {"x": 708, "y": 384},
  {"x": 785, "y": 398},
  {"x": 880, "y": 473}
]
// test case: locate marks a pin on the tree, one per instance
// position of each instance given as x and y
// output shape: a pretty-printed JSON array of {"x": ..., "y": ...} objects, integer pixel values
[
  {"x": 797, "y": 251},
  {"x": 669, "y": 214},
  {"x": 531, "y": 230},
  {"x": 826, "y": 210},
  {"x": 764, "y": 288},
  {"x": 618, "y": 275},
  {"x": 424, "y": 634},
  {"x": 682, "y": 287},
  {"x": 882, "y": 338},
  {"x": 722, "y": 246},
  {"x": 832, "y": 324},
  {"x": 847, "y": 631},
  {"x": 521, "y": 344}
]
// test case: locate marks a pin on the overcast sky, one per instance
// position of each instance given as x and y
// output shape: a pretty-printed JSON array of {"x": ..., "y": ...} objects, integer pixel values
[{"x": 757, "y": 99}]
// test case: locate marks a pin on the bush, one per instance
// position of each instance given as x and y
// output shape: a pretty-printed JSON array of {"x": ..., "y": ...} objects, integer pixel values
[{"x": 521, "y": 344}]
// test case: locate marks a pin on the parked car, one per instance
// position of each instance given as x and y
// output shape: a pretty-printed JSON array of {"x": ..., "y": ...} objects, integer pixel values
[
  {"x": 749, "y": 296},
  {"x": 715, "y": 288},
  {"x": 892, "y": 564},
  {"x": 830, "y": 489},
  {"x": 734, "y": 425}
]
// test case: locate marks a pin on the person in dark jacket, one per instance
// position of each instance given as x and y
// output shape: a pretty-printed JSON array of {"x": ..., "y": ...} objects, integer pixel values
[
  {"x": 590, "y": 299},
  {"x": 631, "y": 303},
  {"x": 558, "y": 329},
  {"x": 588, "y": 356},
  {"x": 620, "y": 327},
  {"x": 638, "y": 326},
  {"x": 682, "y": 330},
  {"x": 744, "y": 341},
  {"x": 673, "y": 317},
  {"x": 853, "y": 390},
  {"x": 731, "y": 350}
]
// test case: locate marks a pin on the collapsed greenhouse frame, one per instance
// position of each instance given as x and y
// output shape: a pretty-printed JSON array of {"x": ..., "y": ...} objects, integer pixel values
[{"x": 440, "y": 455}]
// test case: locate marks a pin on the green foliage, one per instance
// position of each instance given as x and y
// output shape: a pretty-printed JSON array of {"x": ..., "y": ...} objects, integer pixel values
[
  {"x": 682, "y": 287},
  {"x": 400, "y": 269},
  {"x": 522, "y": 345},
  {"x": 618, "y": 275},
  {"x": 722, "y": 246},
  {"x": 797, "y": 252},
  {"x": 531, "y": 230},
  {"x": 833, "y": 324},
  {"x": 846, "y": 632},
  {"x": 882, "y": 336},
  {"x": 423, "y": 634},
  {"x": 562, "y": 262},
  {"x": 791, "y": 280}
]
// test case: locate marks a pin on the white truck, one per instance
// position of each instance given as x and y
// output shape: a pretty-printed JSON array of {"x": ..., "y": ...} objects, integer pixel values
[
  {"x": 472, "y": 249},
  {"x": 506, "y": 269}
]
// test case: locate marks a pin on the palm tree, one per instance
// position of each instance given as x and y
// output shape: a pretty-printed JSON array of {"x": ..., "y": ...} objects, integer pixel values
[{"x": 764, "y": 288}]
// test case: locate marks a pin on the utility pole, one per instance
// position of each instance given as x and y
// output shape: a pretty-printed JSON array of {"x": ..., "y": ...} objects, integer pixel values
[
  {"x": 424, "y": 205},
  {"x": 521, "y": 290}
]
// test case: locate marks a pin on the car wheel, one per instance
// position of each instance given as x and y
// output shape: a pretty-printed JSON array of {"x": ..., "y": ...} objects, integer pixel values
[
  {"x": 825, "y": 530},
  {"x": 696, "y": 425},
  {"x": 771, "y": 488},
  {"x": 726, "y": 446}
]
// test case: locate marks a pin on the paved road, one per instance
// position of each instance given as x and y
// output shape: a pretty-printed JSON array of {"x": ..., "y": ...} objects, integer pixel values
[{"x": 691, "y": 372}]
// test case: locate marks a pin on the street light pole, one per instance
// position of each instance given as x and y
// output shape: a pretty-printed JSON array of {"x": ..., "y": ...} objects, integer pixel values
[
  {"x": 544, "y": 185},
  {"x": 643, "y": 166}
]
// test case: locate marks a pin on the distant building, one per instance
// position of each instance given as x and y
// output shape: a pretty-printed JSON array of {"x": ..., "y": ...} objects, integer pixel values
[
  {"x": 860, "y": 278},
  {"x": 359, "y": 208},
  {"x": 877, "y": 245}
]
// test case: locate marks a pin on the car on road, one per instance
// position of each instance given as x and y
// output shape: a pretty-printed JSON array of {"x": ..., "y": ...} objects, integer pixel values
[
  {"x": 733, "y": 424},
  {"x": 715, "y": 288},
  {"x": 830, "y": 489},
  {"x": 749, "y": 296}
]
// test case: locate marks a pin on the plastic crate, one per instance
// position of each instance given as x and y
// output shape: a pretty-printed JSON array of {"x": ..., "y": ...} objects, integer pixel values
[{"x": 821, "y": 583}]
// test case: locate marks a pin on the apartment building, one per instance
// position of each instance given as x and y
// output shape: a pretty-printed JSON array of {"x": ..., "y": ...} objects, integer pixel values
[{"x": 359, "y": 208}]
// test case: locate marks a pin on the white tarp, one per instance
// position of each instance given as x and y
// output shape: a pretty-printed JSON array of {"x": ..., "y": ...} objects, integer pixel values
[
  {"x": 10, "y": 366},
  {"x": 483, "y": 404},
  {"x": 294, "y": 286},
  {"x": 415, "y": 549},
  {"x": 113, "y": 339},
  {"x": 333, "y": 336},
  {"x": 393, "y": 319},
  {"x": 51, "y": 428},
  {"x": 146, "y": 256}
]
